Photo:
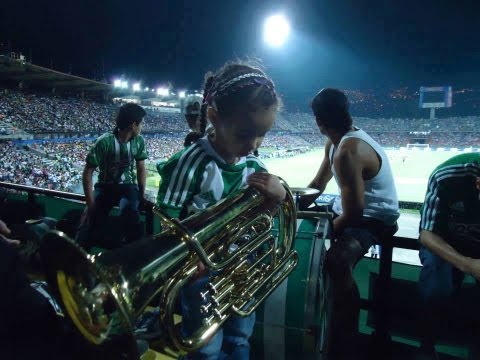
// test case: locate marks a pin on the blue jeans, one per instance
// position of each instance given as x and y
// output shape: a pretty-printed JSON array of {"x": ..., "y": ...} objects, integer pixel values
[
  {"x": 439, "y": 282},
  {"x": 230, "y": 342},
  {"x": 106, "y": 196}
]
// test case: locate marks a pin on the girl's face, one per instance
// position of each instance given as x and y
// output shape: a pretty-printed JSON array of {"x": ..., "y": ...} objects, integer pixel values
[{"x": 242, "y": 133}]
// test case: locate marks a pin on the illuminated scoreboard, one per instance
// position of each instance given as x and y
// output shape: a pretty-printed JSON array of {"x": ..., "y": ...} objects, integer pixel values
[{"x": 435, "y": 97}]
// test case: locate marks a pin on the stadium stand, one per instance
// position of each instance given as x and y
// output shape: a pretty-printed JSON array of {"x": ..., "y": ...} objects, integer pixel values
[{"x": 72, "y": 122}]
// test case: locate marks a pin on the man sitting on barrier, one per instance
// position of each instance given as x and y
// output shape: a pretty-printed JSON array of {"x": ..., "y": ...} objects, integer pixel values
[
  {"x": 366, "y": 209},
  {"x": 450, "y": 239},
  {"x": 114, "y": 154}
]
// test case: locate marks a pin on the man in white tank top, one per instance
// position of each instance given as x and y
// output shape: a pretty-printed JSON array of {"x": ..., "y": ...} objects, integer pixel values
[{"x": 367, "y": 208}]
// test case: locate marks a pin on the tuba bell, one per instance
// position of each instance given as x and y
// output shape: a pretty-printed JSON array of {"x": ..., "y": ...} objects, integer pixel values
[{"x": 105, "y": 294}]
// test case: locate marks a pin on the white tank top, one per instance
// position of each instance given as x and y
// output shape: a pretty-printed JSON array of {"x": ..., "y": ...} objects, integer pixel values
[{"x": 381, "y": 200}]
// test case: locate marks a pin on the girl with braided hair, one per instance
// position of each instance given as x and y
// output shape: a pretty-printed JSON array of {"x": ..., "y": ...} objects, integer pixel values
[{"x": 241, "y": 103}]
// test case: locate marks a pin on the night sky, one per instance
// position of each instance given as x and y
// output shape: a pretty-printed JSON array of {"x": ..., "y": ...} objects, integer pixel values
[{"x": 344, "y": 43}]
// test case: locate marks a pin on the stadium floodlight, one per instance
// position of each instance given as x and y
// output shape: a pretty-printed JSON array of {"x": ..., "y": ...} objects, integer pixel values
[
  {"x": 162, "y": 91},
  {"x": 276, "y": 30},
  {"x": 147, "y": 89},
  {"x": 136, "y": 87},
  {"x": 117, "y": 83},
  {"x": 124, "y": 84},
  {"x": 182, "y": 94}
]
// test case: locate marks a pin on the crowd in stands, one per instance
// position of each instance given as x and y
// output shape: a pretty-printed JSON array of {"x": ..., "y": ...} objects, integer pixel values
[
  {"x": 403, "y": 102},
  {"x": 304, "y": 122},
  {"x": 45, "y": 113},
  {"x": 391, "y": 139},
  {"x": 282, "y": 140},
  {"x": 454, "y": 139},
  {"x": 41, "y": 113},
  {"x": 163, "y": 147},
  {"x": 164, "y": 122},
  {"x": 24, "y": 167},
  {"x": 73, "y": 152},
  {"x": 58, "y": 164}
]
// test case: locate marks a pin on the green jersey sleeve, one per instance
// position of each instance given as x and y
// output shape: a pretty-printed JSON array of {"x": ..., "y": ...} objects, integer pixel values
[
  {"x": 434, "y": 211},
  {"x": 173, "y": 195},
  {"x": 96, "y": 154},
  {"x": 141, "y": 153}
]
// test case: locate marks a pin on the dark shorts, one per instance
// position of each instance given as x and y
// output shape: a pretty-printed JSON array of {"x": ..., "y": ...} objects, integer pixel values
[
  {"x": 368, "y": 232},
  {"x": 364, "y": 236}
]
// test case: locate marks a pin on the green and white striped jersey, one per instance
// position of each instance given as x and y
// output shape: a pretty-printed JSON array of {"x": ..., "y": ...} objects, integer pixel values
[
  {"x": 197, "y": 177},
  {"x": 452, "y": 205},
  {"x": 115, "y": 160}
]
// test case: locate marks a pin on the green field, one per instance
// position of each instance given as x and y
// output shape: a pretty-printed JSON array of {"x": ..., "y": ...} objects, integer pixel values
[{"x": 411, "y": 176}]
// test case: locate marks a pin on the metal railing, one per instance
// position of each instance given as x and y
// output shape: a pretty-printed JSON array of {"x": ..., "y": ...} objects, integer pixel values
[{"x": 32, "y": 191}]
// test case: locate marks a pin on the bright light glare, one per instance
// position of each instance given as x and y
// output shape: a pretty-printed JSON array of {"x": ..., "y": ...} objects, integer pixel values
[
  {"x": 162, "y": 91},
  {"x": 181, "y": 94},
  {"x": 276, "y": 30},
  {"x": 136, "y": 87},
  {"x": 117, "y": 83}
]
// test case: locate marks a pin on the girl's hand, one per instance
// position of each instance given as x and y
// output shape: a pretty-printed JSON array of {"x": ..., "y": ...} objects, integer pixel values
[
  {"x": 268, "y": 184},
  {"x": 201, "y": 271}
]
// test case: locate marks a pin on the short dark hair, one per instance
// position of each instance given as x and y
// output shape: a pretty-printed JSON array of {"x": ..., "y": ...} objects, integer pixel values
[
  {"x": 330, "y": 106},
  {"x": 128, "y": 114}
]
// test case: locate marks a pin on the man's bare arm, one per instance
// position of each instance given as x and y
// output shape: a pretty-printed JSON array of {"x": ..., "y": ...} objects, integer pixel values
[
  {"x": 321, "y": 179},
  {"x": 87, "y": 183},
  {"x": 349, "y": 167},
  {"x": 438, "y": 246},
  {"x": 141, "y": 178}
]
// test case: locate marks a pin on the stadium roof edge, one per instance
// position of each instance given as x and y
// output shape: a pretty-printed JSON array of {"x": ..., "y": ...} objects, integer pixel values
[{"x": 15, "y": 70}]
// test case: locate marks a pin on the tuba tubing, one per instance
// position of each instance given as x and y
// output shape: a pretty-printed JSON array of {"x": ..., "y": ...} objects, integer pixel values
[
  {"x": 283, "y": 261},
  {"x": 105, "y": 294}
]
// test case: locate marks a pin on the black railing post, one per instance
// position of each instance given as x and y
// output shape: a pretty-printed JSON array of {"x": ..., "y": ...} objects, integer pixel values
[{"x": 383, "y": 293}]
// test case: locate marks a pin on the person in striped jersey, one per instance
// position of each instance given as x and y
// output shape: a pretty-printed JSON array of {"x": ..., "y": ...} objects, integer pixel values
[
  {"x": 450, "y": 238},
  {"x": 241, "y": 103},
  {"x": 115, "y": 154}
]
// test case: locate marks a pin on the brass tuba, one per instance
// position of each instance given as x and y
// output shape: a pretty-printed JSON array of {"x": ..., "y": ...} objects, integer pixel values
[{"x": 105, "y": 294}]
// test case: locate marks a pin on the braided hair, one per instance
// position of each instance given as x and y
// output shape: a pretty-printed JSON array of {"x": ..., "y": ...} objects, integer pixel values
[{"x": 235, "y": 87}]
